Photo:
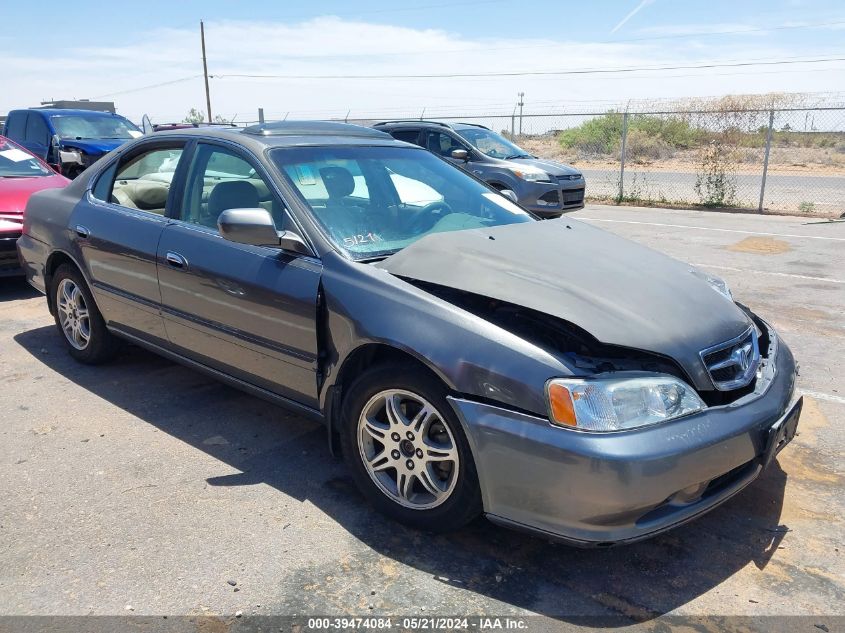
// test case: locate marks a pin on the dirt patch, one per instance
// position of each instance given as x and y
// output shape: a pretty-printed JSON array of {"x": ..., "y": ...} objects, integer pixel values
[{"x": 760, "y": 246}]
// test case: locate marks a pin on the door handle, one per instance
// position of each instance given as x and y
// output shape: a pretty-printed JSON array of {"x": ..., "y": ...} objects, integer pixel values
[
  {"x": 175, "y": 260},
  {"x": 82, "y": 231}
]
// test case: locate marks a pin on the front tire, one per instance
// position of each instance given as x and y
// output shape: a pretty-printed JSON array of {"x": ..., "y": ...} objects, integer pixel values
[
  {"x": 407, "y": 451},
  {"x": 78, "y": 319}
]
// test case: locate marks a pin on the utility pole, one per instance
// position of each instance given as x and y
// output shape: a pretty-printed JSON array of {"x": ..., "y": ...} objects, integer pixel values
[
  {"x": 205, "y": 72},
  {"x": 520, "y": 104}
]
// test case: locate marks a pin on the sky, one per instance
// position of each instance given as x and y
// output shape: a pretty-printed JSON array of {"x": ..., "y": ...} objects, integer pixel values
[{"x": 373, "y": 58}]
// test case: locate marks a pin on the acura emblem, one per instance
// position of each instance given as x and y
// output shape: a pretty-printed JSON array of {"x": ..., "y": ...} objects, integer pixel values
[{"x": 741, "y": 356}]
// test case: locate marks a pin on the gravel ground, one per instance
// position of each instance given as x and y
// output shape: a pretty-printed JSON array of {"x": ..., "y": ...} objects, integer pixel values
[{"x": 143, "y": 487}]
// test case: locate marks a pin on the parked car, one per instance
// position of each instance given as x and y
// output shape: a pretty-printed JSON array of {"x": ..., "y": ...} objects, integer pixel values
[
  {"x": 21, "y": 174},
  {"x": 463, "y": 356},
  {"x": 545, "y": 187},
  {"x": 69, "y": 140}
]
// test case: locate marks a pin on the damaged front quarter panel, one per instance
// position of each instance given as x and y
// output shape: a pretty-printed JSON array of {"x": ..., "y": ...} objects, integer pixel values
[{"x": 474, "y": 357}]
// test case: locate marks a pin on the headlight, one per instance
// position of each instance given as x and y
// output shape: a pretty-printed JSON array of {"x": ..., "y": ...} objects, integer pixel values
[
  {"x": 619, "y": 403},
  {"x": 71, "y": 156},
  {"x": 717, "y": 283},
  {"x": 530, "y": 174}
]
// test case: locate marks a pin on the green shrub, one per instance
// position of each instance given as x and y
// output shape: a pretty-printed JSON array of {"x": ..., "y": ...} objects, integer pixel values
[
  {"x": 602, "y": 135},
  {"x": 641, "y": 146},
  {"x": 653, "y": 134}
]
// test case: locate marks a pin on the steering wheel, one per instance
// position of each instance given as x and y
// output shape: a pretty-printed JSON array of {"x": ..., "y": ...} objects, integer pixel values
[{"x": 429, "y": 215}]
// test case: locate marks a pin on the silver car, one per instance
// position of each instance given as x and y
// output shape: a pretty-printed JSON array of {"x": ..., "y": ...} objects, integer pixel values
[{"x": 464, "y": 357}]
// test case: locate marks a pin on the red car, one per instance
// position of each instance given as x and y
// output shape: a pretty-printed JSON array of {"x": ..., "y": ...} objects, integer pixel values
[{"x": 21, "y": 175}]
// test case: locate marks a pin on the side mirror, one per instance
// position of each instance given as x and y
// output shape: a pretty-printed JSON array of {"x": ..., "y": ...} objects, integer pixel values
[
  {"x": 510, "y": 195},
  {"x": 256, "y": 227},
  {"x": 460, "y": 154}
]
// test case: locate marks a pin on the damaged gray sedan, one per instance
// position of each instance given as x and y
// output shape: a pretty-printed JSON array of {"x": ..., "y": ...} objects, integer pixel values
[{"x": 464, "y": 357}]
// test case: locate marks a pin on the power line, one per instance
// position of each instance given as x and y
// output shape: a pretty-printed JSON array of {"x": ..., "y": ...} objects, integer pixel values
[
  {"x": 536, "y": 73},
  {"x": 148, "y": 87}
]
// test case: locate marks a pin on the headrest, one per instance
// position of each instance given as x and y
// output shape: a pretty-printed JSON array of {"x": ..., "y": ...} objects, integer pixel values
[
  {"x": 338, "y": 181},
  {"x": 234, "y": 194}
]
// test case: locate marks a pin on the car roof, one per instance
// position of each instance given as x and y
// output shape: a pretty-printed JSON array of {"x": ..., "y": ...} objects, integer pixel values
[
  {"x": 292, "y": 134},
  {"x": 68, "y": 111},
  {"x": 428, "y": 123}
]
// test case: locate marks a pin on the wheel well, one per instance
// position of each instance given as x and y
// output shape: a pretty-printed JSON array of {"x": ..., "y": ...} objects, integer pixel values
[
  {"x": 363, "y": 358},
  {"x": 53, "y": 262}
]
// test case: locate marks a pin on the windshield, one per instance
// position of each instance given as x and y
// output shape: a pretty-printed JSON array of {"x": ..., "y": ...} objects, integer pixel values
[
  {"x": 94, "y": 126},
  {"x": 374, "y": 201},
  {"x": 492, "y": 144},
  {"x": 16, "y": 163}
]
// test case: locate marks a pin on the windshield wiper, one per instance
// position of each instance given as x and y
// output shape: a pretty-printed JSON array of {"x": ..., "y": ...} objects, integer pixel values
[
  {"x": 375, "y": 258},
  {"x": 518, "y": 156}
]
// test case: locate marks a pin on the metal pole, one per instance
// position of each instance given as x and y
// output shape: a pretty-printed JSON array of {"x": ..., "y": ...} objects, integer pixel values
[
  {"x": 513, "y": 123},
  {"x": 521, "y": 103},
  {"x": 622, "y": 157},
  {"x": 766, "y": 158},
  {"x": 205, "y": 72},
  {"x": 261, "y": 115}
]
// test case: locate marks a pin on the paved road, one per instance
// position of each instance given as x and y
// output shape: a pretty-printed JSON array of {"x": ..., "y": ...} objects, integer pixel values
[
  {"x": 143, "y": 487},
  {"x": 784, "y": 192}
]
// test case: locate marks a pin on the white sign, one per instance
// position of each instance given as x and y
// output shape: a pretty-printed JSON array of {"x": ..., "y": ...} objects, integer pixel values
[{"x": 15, "y": 155}]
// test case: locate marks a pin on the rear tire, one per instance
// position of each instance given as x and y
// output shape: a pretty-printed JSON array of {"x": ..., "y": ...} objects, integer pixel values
[
  {"x": 406, "y": 449},
  {"x": 78, "y": 320}
]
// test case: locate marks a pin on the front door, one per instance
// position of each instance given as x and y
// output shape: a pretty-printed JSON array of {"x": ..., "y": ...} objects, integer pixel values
[{"x": 249, "y": 311}]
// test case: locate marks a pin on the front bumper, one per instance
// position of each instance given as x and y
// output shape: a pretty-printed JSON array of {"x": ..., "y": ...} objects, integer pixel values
[
  {"x": 10, "y": 265},
  {"x": 593, "y": 489},
  {"x": 549, "y": 200}
]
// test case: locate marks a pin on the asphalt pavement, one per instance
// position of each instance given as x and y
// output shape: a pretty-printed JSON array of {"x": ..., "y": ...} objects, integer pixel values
[{"x": 143, "y": 487}]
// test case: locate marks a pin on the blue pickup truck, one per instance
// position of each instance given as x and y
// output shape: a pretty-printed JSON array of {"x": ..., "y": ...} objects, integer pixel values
[{"x": 69, "y": 140}]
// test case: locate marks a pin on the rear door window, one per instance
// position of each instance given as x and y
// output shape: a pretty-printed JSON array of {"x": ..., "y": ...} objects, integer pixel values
[
  {"x": 409, "y": 136},
  {"x": 16, "y": 126},
  {"x": 143, "y": 179}
]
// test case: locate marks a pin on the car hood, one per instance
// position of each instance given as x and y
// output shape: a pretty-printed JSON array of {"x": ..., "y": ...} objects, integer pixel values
[
  {"x": 620, "y": 292},
  {"x": 93, "y": 146},
  {"x": 549, "y": 166},
  {"x": 14, "y": 192}
]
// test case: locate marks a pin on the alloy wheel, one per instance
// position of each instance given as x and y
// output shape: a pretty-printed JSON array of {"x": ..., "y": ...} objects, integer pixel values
[
  {"x": 73, "y": 314},
  {"x": 407, "y": 449}
]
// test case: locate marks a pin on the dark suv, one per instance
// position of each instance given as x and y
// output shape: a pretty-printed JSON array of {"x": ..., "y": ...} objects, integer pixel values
[{"x": 545, "y": 187}]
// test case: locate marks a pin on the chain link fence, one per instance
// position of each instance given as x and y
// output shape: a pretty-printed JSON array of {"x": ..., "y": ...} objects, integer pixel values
[
  {"x": 786, "y": 160},
  {"x": 783, "y": 160}
]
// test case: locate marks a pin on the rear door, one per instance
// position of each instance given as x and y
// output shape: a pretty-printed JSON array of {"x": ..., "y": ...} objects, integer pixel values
[
  {"x": 117, "y": 228},
  {"x": 249, "y": 311}
]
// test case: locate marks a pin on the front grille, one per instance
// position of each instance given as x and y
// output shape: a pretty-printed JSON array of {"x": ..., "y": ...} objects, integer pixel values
[
  {"x": 733, "y": 364},
  {"x": 573, "y": 196}
]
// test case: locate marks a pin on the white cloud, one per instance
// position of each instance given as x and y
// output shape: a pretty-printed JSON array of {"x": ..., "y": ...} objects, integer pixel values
[{"x": 332, "y": 46}]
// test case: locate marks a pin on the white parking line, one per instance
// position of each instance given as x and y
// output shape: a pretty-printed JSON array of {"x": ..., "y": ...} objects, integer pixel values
[
  {"x": 823, "y": 396},
  {"x": 774, "y": 274},
  {"x": 711, "y": 228}
]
